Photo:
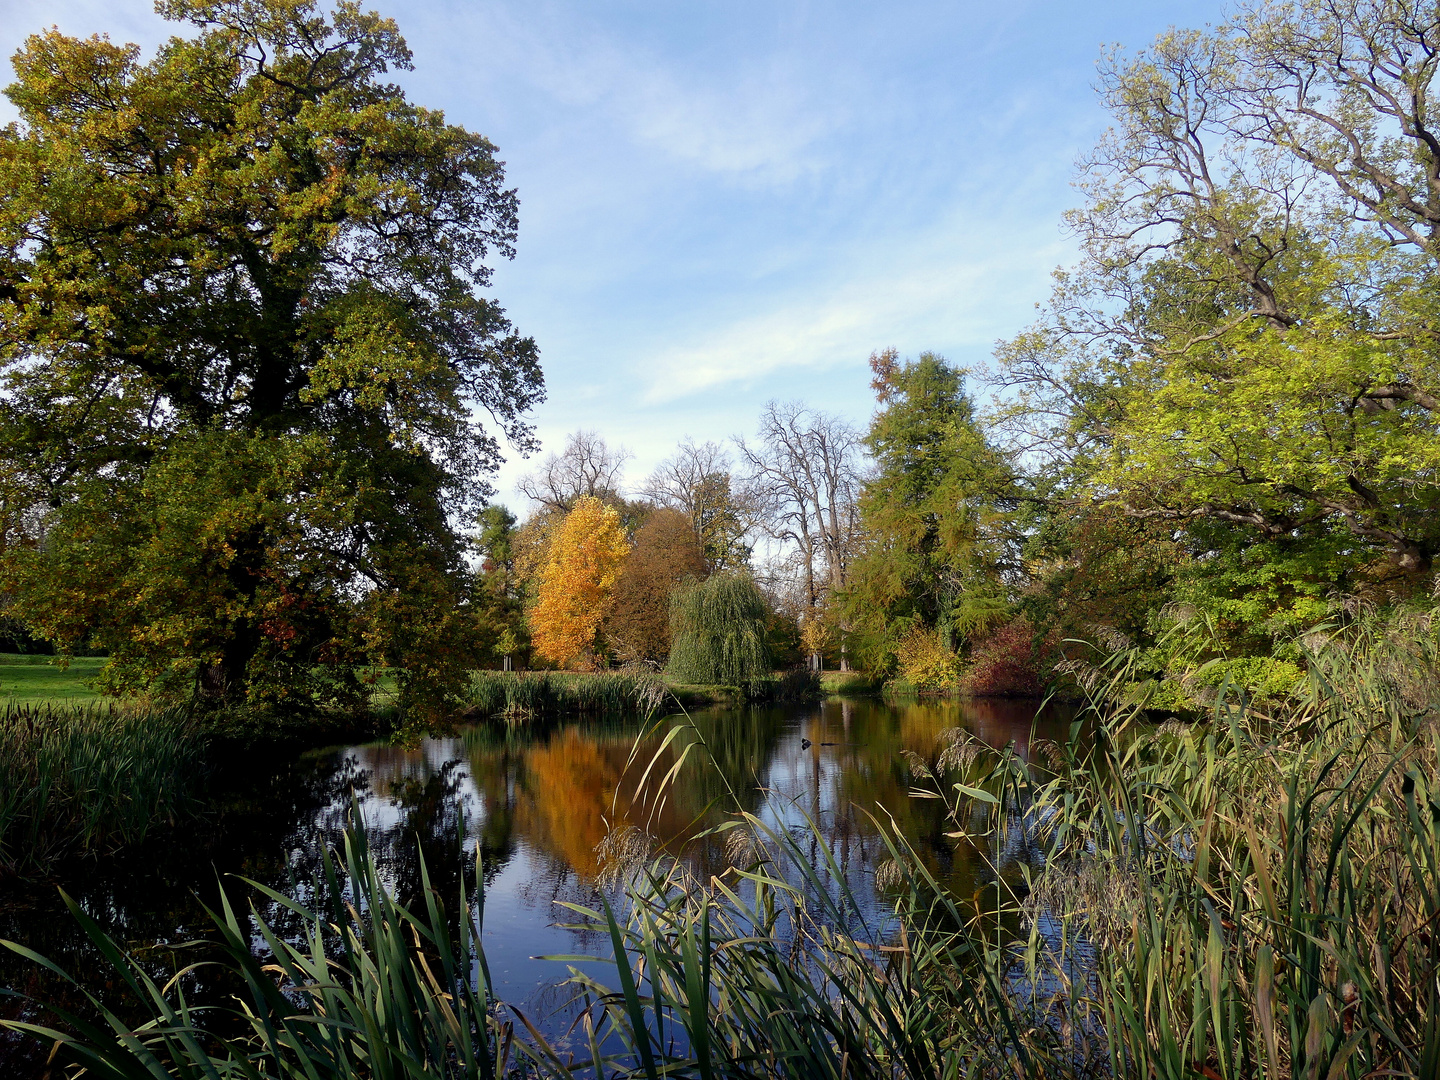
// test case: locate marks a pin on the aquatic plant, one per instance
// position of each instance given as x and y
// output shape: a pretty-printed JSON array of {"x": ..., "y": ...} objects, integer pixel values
[
  {"x": 90, "y": 778},
  {"x": 372, "y": 989},
  {"x": 534, "y": 694},
  {"x": 1253, "y": 895}
]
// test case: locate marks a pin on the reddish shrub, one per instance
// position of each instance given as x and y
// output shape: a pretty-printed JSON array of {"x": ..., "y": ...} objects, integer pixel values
[{"x": 1005, "y": 664}]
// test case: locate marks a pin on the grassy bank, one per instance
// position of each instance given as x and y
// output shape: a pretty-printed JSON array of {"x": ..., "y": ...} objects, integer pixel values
[
  {"x": 851, "y": 683},
  {"x": 39, "y": 680},
  {"x": 534, "y": 694},
  {"x": 27, "y": 679},
  {"x": 519, "y": 696}
]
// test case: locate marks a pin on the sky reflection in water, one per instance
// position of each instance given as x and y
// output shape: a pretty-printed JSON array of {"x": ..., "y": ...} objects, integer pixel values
[{"x": 539, "y": 804}]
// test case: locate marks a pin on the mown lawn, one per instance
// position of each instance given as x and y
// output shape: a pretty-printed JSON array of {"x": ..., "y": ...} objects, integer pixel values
[{"x": 28, "y": 680}]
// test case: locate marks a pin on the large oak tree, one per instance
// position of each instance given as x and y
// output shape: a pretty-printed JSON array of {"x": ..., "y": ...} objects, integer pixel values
[{"x": 251, "y": 381}]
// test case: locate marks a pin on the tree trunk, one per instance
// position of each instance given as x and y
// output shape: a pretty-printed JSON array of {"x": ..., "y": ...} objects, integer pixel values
[{"x": 225, "y": 682}]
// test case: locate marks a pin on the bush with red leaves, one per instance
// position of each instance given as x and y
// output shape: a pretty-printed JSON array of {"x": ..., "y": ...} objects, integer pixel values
[{"x": 1006, "y": 664}]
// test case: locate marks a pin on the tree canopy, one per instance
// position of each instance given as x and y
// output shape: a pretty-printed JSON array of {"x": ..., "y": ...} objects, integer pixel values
[
  {"x": 1253, "y": 334},
  {"x": 719, "y": 628},
  {"x": 666, "y": 555},
  {"x": 246, "y": 351},
  {"x": 584, "y": 558},
  {"x": 934, "y": 516},
  {"x": 696, "y": 481}
]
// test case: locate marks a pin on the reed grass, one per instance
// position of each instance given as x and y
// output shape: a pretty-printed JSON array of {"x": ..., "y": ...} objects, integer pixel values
[
  {"x": 370, "y": 990},
  {"x": 770, "y": 972},
  {"x": 90, "y": 778},
  {"x": 1257, "y": 895},
  {"x": 535, "y": 694}
]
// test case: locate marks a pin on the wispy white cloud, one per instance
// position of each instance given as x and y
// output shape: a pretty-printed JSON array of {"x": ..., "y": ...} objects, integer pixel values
[
  {"x": 761, "y": 129},
  {"x": 963, "y": 288},
  {"x": 725, "y": 202},
  {"x": 759, "y": 120}
]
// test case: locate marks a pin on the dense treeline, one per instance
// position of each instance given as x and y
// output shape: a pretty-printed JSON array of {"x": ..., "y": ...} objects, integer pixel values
[
  {"x": 1219, "y": 434},
  {"x": 1205, "y": 478}
]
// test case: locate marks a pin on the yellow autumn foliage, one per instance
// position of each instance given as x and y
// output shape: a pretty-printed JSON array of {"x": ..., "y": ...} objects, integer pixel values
[
  {"x": 925, "y": 662},
  {"x": 585, "y": 557}
]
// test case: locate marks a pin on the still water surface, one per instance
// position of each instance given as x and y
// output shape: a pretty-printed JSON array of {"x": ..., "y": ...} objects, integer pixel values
[{"x": 538, "y": 804}]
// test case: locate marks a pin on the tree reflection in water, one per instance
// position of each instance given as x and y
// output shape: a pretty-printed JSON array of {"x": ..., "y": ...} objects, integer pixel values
[{"x": 538, "y": 803}]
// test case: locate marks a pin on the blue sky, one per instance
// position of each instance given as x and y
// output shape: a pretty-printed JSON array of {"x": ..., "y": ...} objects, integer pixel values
[{"x": 724, "y": 203}]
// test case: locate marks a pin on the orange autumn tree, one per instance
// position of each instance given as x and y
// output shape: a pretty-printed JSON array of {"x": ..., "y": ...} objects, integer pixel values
[{"x": 585, "y": 557}]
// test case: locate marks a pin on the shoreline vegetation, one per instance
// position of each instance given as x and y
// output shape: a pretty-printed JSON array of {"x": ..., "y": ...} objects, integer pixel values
[
  {"x": 1200, "y": 492},
  {"x": 82, "y": 775},
  {"x": 1252, "y": 896},
  {"x": 38, "y": 679}
]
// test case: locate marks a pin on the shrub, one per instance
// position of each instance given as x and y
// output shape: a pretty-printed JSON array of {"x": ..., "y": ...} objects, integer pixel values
[
  {"x": 1005, "y": 664},
  {"x": 925, "y": 663}
]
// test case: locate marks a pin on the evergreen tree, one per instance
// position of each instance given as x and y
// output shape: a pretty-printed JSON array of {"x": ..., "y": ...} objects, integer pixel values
[{"x": 936, "y": 537}]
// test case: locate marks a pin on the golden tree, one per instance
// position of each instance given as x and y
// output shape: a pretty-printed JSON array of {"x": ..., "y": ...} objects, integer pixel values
[{"x": 585, "y": 557}]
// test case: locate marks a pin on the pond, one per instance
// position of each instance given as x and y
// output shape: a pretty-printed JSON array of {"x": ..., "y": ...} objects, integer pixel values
[{"x": 538, "y": 804}]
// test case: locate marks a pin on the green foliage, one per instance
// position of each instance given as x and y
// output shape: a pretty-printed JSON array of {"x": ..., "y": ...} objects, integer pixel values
[
  {"x": 498, "y": 598},
  {"x": 719, "y": 524},
  {"x": 1251, "y": 334},
  {"x": 924, "y": 662},
  {"x": 370, "y": 988},
  {"x": 1239, "y": 611},
  {"x": 1096, "y": 570},
  {"x": 90, "y": 779},
  {"x": 535, "y": 694},
  {"x": 934, "y": 516},
  {"x": 1276, "y": 588},
  {"x": 720, "y": 631},
  {"x": 243, "y": 345}
]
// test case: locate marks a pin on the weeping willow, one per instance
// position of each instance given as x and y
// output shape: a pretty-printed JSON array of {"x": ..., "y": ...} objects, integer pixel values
[{"x": 718, "y": 628}]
